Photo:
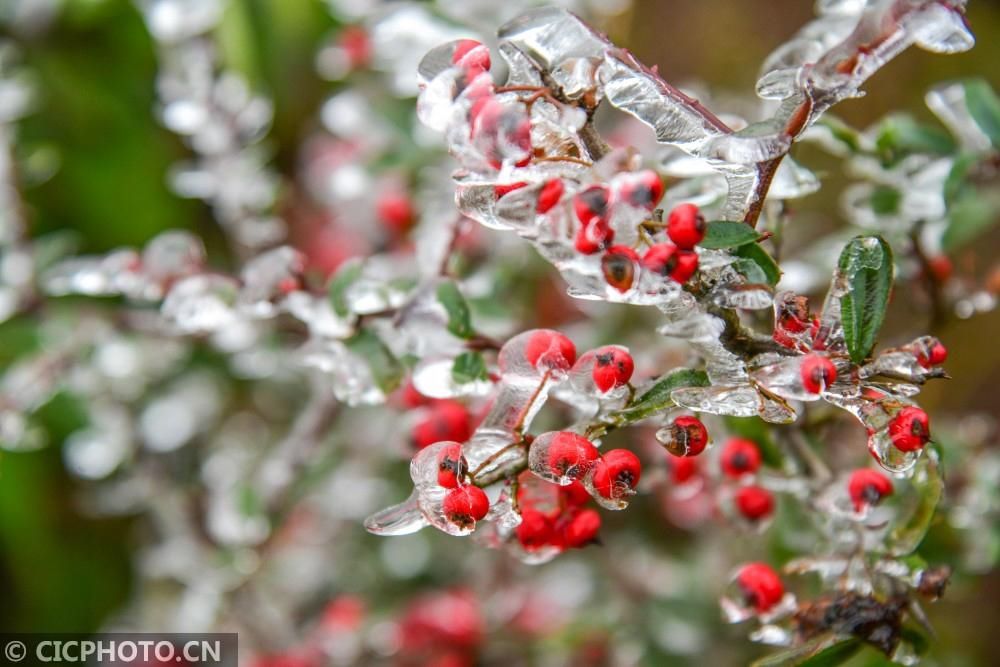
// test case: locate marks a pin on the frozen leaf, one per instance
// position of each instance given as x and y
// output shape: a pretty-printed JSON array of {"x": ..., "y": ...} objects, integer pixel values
[
  {"x": 454, "y": 303},
  {"x": 825, "y": 651},
  {"x": 753, "y": 256},
  {"x": 468, "y": 367},
  {"x": 402, "y": 519},
  {"x": 866, "y": 265},
  {"x": 385, "y": 369},
  {"x": 658, "y": 397},
  {"x": 349, "y": 272},
  {"x": 721, "y": 234},
  {"x": 201, "y": 304}
]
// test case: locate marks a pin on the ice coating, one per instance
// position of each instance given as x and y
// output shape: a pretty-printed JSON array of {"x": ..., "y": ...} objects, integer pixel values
[{"x": 561, "y": 457}]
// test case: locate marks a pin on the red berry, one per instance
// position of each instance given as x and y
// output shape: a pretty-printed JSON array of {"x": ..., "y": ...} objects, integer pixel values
[
  {"x": 618, "y": 265},
  {"x": 471, "y": 54},
  {"x": 592, "y": 203},
  {"x": 504, "y": 188},
  {"x": 664, "y": 259},
  {"x": 686, "y": 226},
  {"x": 682, "y": 468},
  {"x": 550, "y": 349},
  {"x": 941, "y": 268},
  {"x": 355, "y": 43},
  {"x": 740, "y": 457},
  {"x": 929, "y": 351},
  {"x": 549, "y": 195},
  {"x": 817, "y": 373},
  {"x": 502, "y": 131},
  {"x": 571, "y": 455},
  {"x": 689, "y": 437},
  {"x": 617, "y": 473},
  {"x": 868, "y": 487},
  {"x": 445, "y": 420},
  {"x": 452, "y": 466},
  {"x": 613, "y": 368},
  {"x": 574, "y": 494},
  {"x": 593, "y": 236},
  {"x": 910, "y": 429},
  {"x": 643, "y": 189},
  {"x": 534, "y": 531},
  {"x": 754, "y": 502},
  {"x": 582, "y": 529},
  {"x": 395, "y": 211},
  {"x": 761, "y": 586},
  {"x": 465, "y": 505}
]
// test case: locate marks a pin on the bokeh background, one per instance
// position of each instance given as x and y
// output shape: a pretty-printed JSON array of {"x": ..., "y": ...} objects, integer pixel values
[{"x": 99, "y": 159}]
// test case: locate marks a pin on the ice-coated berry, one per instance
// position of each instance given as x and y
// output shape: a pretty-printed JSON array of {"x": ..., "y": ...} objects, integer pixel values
[
  {"x": 549, "y": 195},
  {"x": 754, "y": 502},
  {"x": 465, "y": 505},
  {"x": 613, "y": 367},
  {"x": 868, "y": 487},
  {"x": 618, "y": 265},
  {"x": 761, "y": 586},
  {"x": 817, "y": 373},
  {"x": 502, "y": 189},
  {"x": 550, "y": 349},
  {"x": 471, "y": 55},
  {"x": 591, "y": 237},
  {"x": 395, "y": 210},
  {"x": 929, "y": 351},
  {"x": 665, "y": 259},
  {"x": 686, "y": 226},
  {"x": 571, "y": 455},
  {"x": 910, "y": 429},
  {"x": 534, "y": 531},
  {"x": 581, "y": 529},
  {"x": 739, "y": 457},
  {"x": 617, "y": 473},
  {"x": 452, "y": 466},
  {"x": 591, "y": 204},
  {"x": 644, "y": 189},
  {"x": 445, "y": 420},
  {"x": 682, "y": 468},
  {"x": 574, "y": 494},
  {"x": 688, "y": 436}
]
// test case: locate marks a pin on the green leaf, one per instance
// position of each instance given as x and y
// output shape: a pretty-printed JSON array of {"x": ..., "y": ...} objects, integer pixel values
[
  {"x": 459, "y": 319},
  {"x": 841, "y": 132},
  {"x": 957, "y": 182},
  {"x": 385, "y": 368},
  {"x": 720, "y": 234},
  {"x": 657, "y": 397},
  {"x": 885, "y": 200},
  {"x": 468, "y": 367},
  {"x": 972, "y": 214},
  {"x": 899, "y": 135},
  {"x": 910, "y": 530},
  {"x": 348, "y": 272},
  {"x": 764, "y": 263},
  {"x": 984, "y": 107},
  {"x": 866, "y": 264},
  {"x": 824, "y": 651}
]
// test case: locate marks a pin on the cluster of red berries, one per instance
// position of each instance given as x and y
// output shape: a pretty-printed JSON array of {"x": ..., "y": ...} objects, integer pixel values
[
  {"x": 464, "y": 504},
  {"x": 567, "y": 525},
  {"x": 614, "y": 475},
  {"x": 500, "y": 131},
  {"x": 612, "y": 365},
  {"x": 677, "y": 261},
  {"x": 740, "y": 459}
]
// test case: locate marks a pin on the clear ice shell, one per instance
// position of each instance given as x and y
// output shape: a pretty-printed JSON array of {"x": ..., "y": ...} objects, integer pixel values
[
  {"x": 201, "y": 304},
  {"x": 433, "y": 378},
  {"x": 268, "y": 278},
  {"x": 875, "y": 413},
  {"x": 402, "y": 519}
]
